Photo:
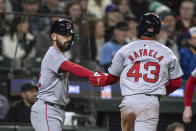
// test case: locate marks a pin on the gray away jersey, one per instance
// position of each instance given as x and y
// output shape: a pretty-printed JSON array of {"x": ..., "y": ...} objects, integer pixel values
[
  {"x": 54, "y": 85},
  {"x": 194, "y": 73},
  {"x": 145, "y": 66}
]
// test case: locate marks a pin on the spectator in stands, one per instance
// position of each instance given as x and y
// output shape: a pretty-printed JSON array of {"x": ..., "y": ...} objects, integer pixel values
[
  {"x": 19, "y": 112},
  {"x": 97, "y": 40},
  {"x": 154, "y": 5},
  {"x": 113, "y": 16},
  {"x": 81, "y": 53},
  {"x": 4, "y": 21},
  {"x": 96, "y": 8},
  {"x": 17, "y": 5},
  {"x": 19, "y": 43},
  {"x": 73, "y": 10},
  {"x": 6, "y": 6},
  {"x": 168, "y": 35},
  {"x": 176, "y": 126},
  {"x": 188, "y": 53},
  {"x": 123, "y": 6},
  {"x": 111, "y": 47},
  {"x": 4, "y": 107},
  {"x": 83, "y": 5},
  {"x": 43, "y": 41},
  {"x": 30, "y": 6},
  {"x": 185, "y": 18},
  {"x": 49, "y": 5},
  {"x": 132, "y": 23},
  {"x": 36, "y": 24}
]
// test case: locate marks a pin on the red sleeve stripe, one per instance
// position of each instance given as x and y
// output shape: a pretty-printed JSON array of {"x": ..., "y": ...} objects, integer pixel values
[{"x": 111, "y": 79}]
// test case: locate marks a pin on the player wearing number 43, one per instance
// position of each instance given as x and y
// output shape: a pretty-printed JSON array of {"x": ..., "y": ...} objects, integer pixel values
[{"x": 147, "y": 70}]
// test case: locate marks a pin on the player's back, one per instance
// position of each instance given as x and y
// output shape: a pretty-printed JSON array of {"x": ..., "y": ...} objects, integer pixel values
[{"x": 146, "y": 65}]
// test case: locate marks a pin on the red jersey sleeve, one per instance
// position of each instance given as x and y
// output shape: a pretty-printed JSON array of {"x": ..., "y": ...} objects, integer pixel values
[
  {"x": 75, "y": 69},
  {"x": 173, "y": 84},
  {"x": 111, "y": 79},
  {"x": 189, "y": 90}
]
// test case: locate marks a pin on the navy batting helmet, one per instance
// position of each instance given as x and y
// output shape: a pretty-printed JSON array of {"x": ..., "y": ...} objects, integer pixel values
[
  {"x": 63, "y": 27},
  {"x": 149, "y": 25}
]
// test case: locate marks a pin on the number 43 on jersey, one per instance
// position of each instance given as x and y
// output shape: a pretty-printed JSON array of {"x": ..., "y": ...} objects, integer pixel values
[{"x": 135, "y": 72}]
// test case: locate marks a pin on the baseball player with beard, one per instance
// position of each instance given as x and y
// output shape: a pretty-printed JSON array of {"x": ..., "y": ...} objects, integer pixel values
[
  {"x": 147, "y": 70},
  {"x": 47, "y": 114}
]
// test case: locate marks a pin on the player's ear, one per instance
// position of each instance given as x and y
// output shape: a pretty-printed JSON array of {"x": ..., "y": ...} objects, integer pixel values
[
  {"x": 23, "y": 95},
  {"x": 53, "y": 36}
]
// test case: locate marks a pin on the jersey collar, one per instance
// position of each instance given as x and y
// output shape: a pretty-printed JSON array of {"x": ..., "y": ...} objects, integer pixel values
[{"x": 146, "y": 39}]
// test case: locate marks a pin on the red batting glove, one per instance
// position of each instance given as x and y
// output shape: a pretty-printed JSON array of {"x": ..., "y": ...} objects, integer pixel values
[{"x": 98, "y": 79}]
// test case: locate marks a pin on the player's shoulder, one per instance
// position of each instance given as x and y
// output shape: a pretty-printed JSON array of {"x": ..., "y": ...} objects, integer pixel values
[
  {"x": 132, "y": 44},
  {"x": 139, "y": 43},
  {"x": 160, "y": 45},
  {"x": 50, "y": 53}
]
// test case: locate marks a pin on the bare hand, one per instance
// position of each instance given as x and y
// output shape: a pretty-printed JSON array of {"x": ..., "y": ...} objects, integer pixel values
[{"x": 187, "y": 114}]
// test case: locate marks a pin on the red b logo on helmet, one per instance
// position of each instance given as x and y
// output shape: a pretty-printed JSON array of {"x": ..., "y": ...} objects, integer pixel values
[
  {"x": 68, "y": 26},
  {"x": 150, "y": 30}
]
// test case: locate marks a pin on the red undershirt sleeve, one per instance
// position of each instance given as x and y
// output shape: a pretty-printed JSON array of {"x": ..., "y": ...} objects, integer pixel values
[
  {"x": 189, "y": 90},
  {"x": 111, "y": 79},
  {"x": 173, "y": 84},
  {"x": 75, "y": 69}
]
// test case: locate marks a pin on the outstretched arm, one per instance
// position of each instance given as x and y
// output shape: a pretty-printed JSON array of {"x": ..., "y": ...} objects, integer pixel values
[
  {"x": 75, "y": 69},
  {"x": 103, "y": 79}
]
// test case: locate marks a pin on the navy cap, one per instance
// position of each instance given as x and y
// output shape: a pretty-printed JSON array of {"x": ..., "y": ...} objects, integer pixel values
[
  {"x": 29, "y": 86},
  {"x": 111, "y": 8}
]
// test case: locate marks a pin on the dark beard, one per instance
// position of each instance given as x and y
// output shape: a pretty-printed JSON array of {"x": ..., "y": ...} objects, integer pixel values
[
  {"x": 30, "y": 101},
  {"x": 63, "y": 47}
]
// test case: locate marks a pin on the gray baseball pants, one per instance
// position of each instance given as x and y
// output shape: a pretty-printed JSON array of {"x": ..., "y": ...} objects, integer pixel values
[{"x": 46, "y": 117}]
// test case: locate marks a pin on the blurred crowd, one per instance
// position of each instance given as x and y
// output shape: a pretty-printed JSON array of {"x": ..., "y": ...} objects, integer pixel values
[{"x": 102, "y": 27}]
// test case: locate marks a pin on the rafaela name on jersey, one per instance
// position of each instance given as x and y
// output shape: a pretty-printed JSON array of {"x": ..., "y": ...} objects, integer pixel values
[{"x": 145, "y": 52}]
